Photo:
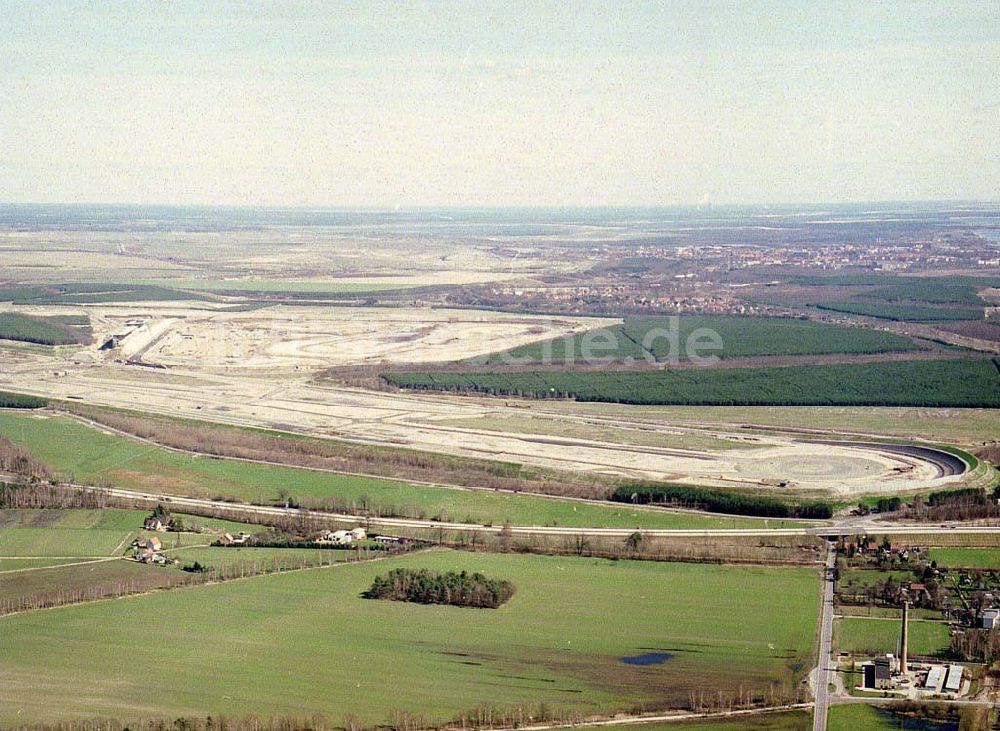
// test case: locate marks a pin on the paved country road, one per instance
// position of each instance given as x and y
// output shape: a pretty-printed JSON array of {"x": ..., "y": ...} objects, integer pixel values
[
  {"x": 825, "y": 643},
  {"x": 834, "y": 529}
]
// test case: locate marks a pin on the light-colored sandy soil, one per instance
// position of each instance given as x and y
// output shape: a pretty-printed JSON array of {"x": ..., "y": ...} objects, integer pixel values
[
  {"x": 286, "y": 345},
  {"x": 182, "y": 334}
]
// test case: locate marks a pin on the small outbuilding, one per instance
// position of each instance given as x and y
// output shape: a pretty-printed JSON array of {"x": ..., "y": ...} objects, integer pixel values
[{"x": 989, "y": 618}]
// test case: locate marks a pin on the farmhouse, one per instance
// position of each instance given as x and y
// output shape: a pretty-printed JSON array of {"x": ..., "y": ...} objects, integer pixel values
[
  {"x": 152, "y": 543},
  {"x": 337, "y": 537},
  {"x": 237, "y": 540},
  {"x": 148, "y": 556},
  {"x": 154, "y": 524}
]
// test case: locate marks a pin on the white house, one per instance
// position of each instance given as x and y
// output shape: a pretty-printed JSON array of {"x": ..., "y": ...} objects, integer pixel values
[{"x": 337, "y": 537}]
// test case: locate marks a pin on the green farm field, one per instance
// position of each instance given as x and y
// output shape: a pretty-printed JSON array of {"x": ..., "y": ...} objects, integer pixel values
[
  {"x": 861, "y": 635},
  {"x": 91, "y": 533},
  {"x": 904, "y": 313},
  {"x": 98, "y": 575},
  {"x": 67, "y": 533},
  {"x": 785, "y": 721},
  {"x": 84, "y": 293},
  {"x": 216, "y": 556},
  {"x": 307, "y": 642},
  {"x": 868, "y": 577},
  {"x": 39, "y": 330},
  {"x": 966, "y": 558},
  {"x": 20, "y": 564},
  {"x": 644, "y": 337},
  {"x": 965, "y": 383},
  {"x": 870, "y": 718},
  {"x": 86, "y": 454}
]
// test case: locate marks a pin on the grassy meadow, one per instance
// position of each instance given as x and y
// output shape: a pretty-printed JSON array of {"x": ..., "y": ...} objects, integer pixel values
[
  {"x": 785, "y": 721},
  {"x": 80, "y": 533},
  {"x": 85, "y": 454},
  {"x": 863, "y": 635},
  {"x": 307, "y": 642},
  {"x": 19, "y": 564},
  {"x": 870, "y": 718},
  {"x": 966, "y": 558},
  {"x": 62, "y": 533}
]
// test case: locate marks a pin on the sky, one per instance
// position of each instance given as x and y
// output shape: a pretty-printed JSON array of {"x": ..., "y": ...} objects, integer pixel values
[{"x": 495, "y": 104}]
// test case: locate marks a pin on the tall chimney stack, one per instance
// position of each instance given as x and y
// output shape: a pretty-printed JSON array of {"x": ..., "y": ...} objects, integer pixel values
[{"x": 903, "y": 638}]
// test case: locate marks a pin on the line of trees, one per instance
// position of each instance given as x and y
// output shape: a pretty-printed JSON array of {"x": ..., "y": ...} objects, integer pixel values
[
  {"x": 975, "y": 645},
  {"x": 719, "y": 501},
  {"x": 20, "y": 401},
  {"x": 19, "y": 461},
  {"x": 165, "y": 578},
  {"x": 44, "y": 495},
  {"x": 969, "y": 503},
  {"x": 459, "y": 589},
  {"x": 779, "y": 550}
]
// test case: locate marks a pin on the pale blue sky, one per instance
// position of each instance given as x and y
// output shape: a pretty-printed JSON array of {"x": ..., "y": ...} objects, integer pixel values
[{"x": 324, "y": 103}]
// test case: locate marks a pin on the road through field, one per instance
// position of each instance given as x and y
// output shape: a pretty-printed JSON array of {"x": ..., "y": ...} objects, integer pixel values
[
  {"x": 835, "y": 529},
  {"x": 823, "y": 659}
]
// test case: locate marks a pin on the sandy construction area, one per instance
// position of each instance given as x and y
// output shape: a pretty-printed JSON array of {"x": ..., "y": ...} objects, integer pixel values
[
  {"x": 426, "y": 421},
  {"x": 206, "y": 336}
]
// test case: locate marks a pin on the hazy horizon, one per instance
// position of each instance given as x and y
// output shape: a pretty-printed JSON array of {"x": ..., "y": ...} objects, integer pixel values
[{"x": 526, "y": 105}]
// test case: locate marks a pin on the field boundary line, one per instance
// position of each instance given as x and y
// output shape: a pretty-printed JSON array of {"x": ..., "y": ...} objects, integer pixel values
[
  {"x": 117, "y": 548},
  {"x": 59, "y": 565}
]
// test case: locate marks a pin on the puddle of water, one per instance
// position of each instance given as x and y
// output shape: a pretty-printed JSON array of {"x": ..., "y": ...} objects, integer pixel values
[{"x": 647, "y": 658}]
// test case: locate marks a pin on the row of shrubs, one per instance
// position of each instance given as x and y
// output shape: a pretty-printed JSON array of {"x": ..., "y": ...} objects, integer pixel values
[{"x": 719, "y": 501}]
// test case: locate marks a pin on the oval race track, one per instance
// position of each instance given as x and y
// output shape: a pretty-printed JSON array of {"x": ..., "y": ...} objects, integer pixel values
[{"x": 947, "y": 464}]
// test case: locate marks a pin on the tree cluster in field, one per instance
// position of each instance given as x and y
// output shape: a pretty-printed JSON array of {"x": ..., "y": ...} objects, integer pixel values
[
  {"x": 423, "y": 586},
  {"x": 975, "y": 645},
  {"x": 20, "y": 401},
  {"x": 718, "y": 501},
  {"x": 968, "y": 503}
]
